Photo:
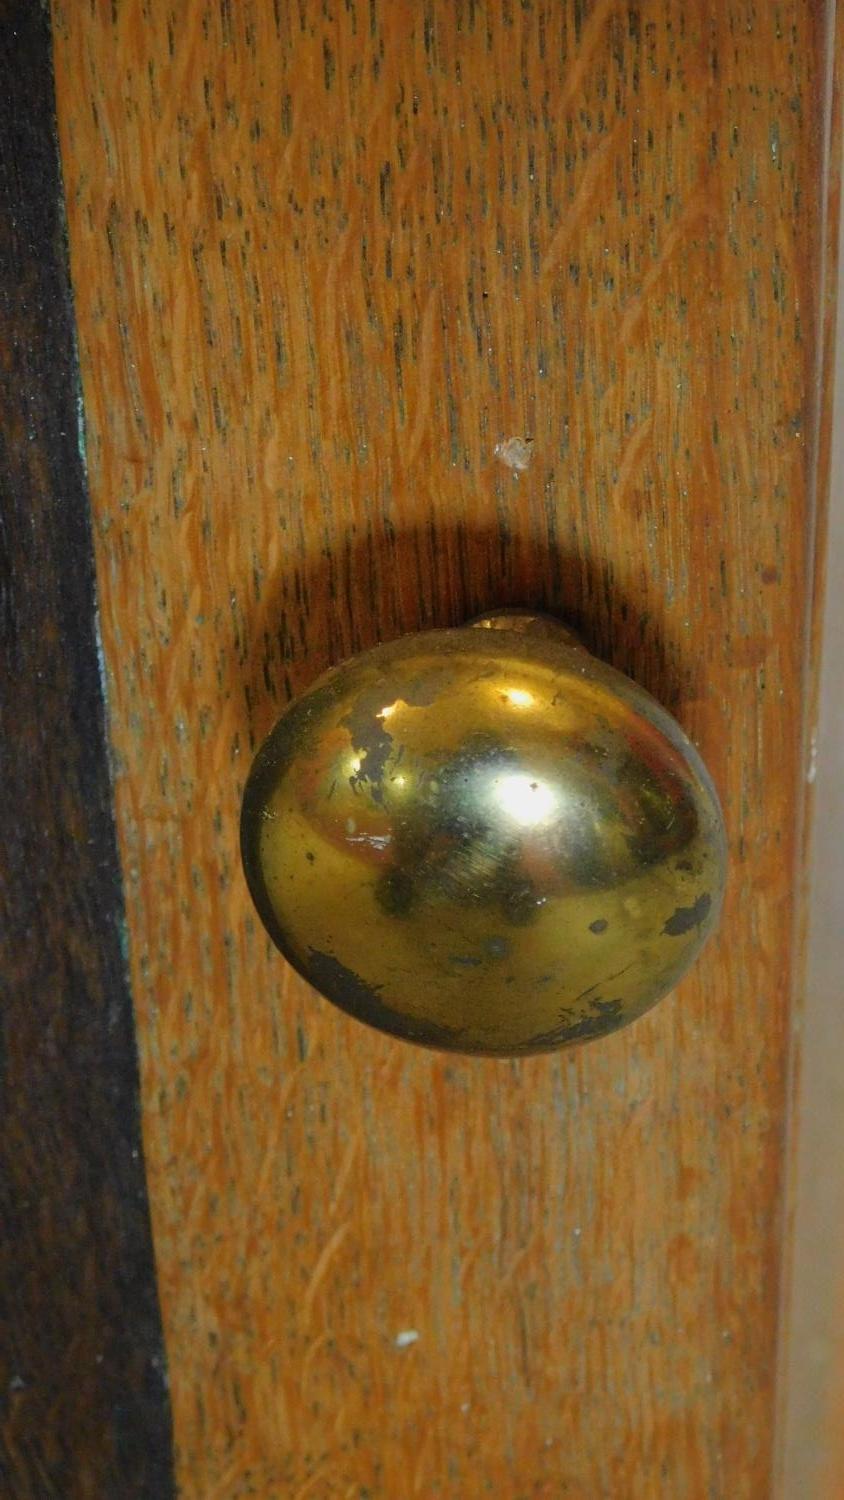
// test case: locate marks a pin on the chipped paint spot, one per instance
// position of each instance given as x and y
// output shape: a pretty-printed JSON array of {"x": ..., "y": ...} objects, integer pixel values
[
  {"x": 686, "y": 918},
  {"x": 606, "y": 1016},
  {"x": 371, "y": 740},
  {"x": 363, "y": 1001},
  {"x": 497, "y": 947}
]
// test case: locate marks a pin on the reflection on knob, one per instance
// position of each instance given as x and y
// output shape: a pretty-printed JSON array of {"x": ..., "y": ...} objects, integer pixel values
[{"x": 484, "y": 839}]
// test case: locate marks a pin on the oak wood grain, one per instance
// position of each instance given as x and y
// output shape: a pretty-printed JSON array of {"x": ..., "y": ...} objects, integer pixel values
[
  {"x": 329, "y": 261},
  {"x": 83, "y": 1402}
]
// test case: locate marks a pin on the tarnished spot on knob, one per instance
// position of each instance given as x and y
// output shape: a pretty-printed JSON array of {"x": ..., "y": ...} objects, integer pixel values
[{"x": 484, "y": 840}]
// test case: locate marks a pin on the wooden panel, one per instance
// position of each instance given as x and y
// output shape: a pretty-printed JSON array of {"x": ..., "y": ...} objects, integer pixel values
[
  {"x": 327, "y": 261},
  {"x": 83, "y": 1400}
]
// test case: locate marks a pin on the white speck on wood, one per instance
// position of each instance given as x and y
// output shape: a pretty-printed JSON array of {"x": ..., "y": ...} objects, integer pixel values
[
  {"x": 812, "y": 770},
  {"x": 407, "y": 1337},
  {"x": 515, "y": 453}
]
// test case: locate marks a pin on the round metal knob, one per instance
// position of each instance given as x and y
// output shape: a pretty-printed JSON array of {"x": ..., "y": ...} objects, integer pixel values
[{"x": 484, "y": 840}]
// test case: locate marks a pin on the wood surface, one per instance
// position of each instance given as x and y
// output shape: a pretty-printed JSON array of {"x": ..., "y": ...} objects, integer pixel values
[
  {"x": 83, "y": 1405},
  {"x": 329, "y": 261}
]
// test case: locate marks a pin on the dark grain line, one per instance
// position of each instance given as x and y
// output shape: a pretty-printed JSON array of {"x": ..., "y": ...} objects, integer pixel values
[{"x": 83, "y": 1404}]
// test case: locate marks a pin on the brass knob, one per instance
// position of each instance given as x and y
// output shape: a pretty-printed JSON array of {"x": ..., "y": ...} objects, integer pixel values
[{"x": 484, "y": 839}]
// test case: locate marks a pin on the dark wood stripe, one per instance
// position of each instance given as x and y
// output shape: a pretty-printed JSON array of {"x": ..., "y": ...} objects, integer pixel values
[{"x": 83, "y": 1398}]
